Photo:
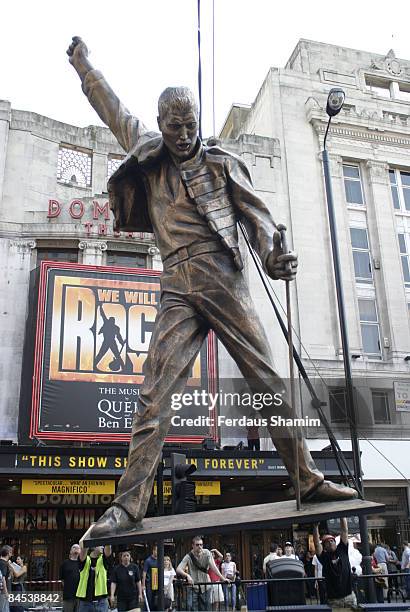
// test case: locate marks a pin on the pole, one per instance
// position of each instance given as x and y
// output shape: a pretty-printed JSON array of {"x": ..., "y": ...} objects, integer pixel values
[
  {"x": 199, "y": 69},
  {"x": 213, "y": 68},
  {"x": 344, "y": 468},
  {"x": 364, "y": 534},
  {"x": 291, "y": 370},
  {"x": 343, "y": 325},
  {"x": 160, "y": 545}
]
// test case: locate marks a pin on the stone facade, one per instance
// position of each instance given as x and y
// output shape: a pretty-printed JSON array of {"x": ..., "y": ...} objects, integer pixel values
[
  {"x": 369, "y": 138},
  {"x": 50, "y": 209}
]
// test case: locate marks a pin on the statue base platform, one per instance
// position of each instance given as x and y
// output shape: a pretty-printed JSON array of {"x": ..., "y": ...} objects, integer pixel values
[{"x": 260, "y": 516}]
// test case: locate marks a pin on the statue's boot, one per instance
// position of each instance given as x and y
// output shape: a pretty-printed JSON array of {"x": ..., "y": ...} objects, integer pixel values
[
  {"x": 328, "y": 491},
  {"x": 115, "y": 521},
  {"x": 313, "y": 487}
]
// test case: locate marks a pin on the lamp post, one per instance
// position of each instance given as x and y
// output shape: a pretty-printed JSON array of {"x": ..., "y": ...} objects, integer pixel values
[{"x": 334, "y": 105}]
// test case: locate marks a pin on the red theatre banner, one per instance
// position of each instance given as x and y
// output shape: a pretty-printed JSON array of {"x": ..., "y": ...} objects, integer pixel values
[{"x": 93, "y": 331}]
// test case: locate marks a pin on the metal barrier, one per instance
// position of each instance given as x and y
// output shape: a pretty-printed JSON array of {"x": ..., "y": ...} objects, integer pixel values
[
  {"x": 396, "y": 588},
  {"x": 274, "y": 593},
  {"x": 254, "y": 595},
  {"x": 250, "y": 594},
  {"x": 43, "y": 585}
]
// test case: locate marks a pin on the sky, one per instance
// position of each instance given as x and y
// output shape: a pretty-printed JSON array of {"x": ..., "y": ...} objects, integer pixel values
[{"x": 143, "y": 46}]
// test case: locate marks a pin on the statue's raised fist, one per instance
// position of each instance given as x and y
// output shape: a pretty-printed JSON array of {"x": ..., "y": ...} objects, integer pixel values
[{"x": 77, "y": 49}]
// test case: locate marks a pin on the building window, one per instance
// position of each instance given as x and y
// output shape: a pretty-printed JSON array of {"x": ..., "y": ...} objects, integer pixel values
[
  {"x": 369, "y": 326},
  {"x": 404, "y": 256},
  {"x": 126, "y": 259},
  {"x": 338, "y": 405},
  {"x": 387, "y": 88},
  {"x": 74, "y": 166},
  {"x": 380, "y": 402},
  {"x": 400, "y": 189},
  {"x": 50, "y": 254},
  {"x": 380, "y": 87},
  {"x": 113, "y": 163},
  {"x": 353, "y": 184},
  {"x": 361, "y": 255},
  {"x": 404, "y": 92}
]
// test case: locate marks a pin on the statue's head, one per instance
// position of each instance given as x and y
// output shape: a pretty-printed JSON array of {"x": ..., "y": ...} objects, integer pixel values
[{"x": 178, "y": 121}]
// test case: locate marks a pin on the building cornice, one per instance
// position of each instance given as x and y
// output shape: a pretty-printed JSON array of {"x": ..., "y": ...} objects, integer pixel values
[
  {"x": 98, "y": 138},
  {"x": 68, "y": 232},
  {"x": 363, "y": 125}
]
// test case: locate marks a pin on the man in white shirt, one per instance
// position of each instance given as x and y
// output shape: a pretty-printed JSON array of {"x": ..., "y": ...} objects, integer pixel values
[
  {"x": 199, "y": 560},
  {"x": 272, "y": 555},
  {"x": 290, "y": 551}
]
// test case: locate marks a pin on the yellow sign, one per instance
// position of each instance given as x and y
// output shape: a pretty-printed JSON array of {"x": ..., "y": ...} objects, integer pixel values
[
  {"x": 208, "y": 487},
  {"x": 68, "y": 487},
  {"x": 202, "y": 487}
]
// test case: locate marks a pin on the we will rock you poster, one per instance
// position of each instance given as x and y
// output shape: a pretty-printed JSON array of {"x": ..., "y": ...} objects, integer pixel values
[{"x": 93, "y": 331}]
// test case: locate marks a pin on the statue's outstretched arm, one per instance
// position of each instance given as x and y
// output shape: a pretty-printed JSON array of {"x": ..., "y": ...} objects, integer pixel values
[{"x": 126, "y": 128}]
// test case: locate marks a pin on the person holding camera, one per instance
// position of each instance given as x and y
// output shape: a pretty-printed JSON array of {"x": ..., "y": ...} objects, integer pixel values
[{"x": 199, "y": 561}]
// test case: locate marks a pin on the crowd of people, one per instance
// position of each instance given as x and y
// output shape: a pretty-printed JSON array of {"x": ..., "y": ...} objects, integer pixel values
[
  {"x": 95, "y": 580},
  {"x": 279, "y": 552},
  {"x": 334, "y": 569}
]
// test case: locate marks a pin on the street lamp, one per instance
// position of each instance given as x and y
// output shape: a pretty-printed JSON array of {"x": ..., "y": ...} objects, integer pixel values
[{"x": 335, "y": 101}]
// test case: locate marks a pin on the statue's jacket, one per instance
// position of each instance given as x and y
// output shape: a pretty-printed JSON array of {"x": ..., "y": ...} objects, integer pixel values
[{"x": 217, "y": 181}]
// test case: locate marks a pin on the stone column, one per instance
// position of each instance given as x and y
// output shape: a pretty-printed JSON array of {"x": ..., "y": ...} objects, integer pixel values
[
  {"x": 156, "y": 261},
  {"x": 93, "y": 251},
  {"x": 5, "y": 117},
  {"x": 390, "y": 291},
  {"x": 15, "y": 259},
  {"x": 99, "y": 176}
]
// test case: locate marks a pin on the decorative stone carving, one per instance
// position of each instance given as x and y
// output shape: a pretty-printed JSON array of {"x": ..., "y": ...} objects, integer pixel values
[
  {"x": 378, "y": 171},
  {"x": 366, "y": 113},
  {"x": 336, "y": 165},
  {"x": 23, "y": 245},
  {"x": 97, "y": 247},
  {"x": 389, "y": 64}
]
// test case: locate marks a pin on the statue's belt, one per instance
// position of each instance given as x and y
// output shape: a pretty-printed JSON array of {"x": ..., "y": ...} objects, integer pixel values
[{"x": 211, "y": 246}]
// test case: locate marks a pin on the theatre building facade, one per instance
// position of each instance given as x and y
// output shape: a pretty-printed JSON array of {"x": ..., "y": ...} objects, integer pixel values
[
  {"x": 78, "y": 303},
  {"x": 50, "y": 496}
]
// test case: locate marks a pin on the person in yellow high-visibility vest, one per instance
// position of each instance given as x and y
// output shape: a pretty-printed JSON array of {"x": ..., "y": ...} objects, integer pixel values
[{"x": 92, "y": 590}]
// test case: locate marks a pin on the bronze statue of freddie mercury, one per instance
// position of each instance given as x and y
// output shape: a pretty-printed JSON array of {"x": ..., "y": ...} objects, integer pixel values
[{"x": 191, "y": 197}]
